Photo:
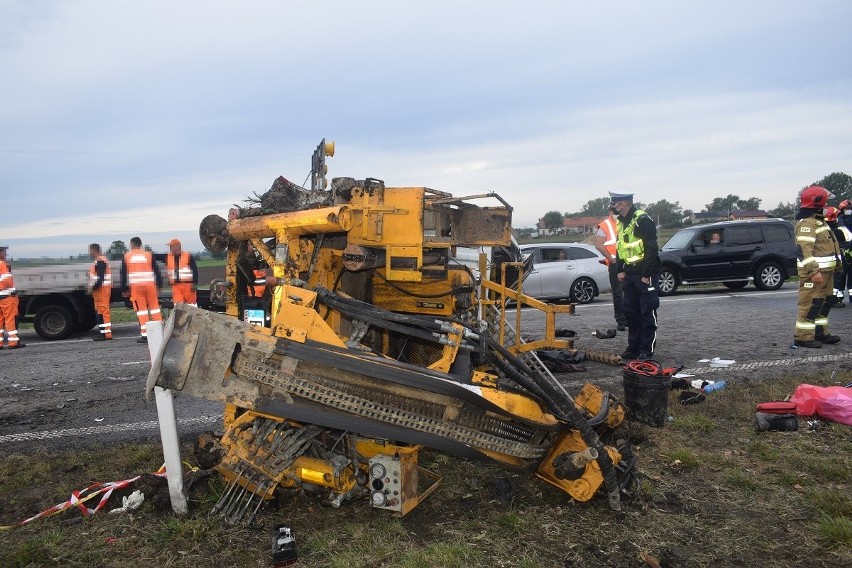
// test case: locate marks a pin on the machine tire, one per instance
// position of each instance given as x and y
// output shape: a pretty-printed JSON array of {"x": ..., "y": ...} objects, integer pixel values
[
  {"x": 667, "y": 282},
  {"x": 54, "y": 322},
  {"x": 769, "y": 276},
  {"x": 583, "y": 291},
  {"x": 735, "y": 285}
]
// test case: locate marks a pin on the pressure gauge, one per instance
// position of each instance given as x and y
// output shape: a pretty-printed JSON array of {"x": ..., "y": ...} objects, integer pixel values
[
  {"x": 377, "y": 470},
  {"x": 378, "y": 499}
]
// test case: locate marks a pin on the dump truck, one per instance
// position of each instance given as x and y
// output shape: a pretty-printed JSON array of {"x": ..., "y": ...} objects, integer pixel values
[{"x": 370, "y": 343}]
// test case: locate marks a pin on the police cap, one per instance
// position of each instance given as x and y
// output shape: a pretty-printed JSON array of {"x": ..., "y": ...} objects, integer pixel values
[{"x": 620, "y": 196}]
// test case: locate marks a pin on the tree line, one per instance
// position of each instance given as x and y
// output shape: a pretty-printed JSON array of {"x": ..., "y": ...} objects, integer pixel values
[{"x": 671, "y": 214}]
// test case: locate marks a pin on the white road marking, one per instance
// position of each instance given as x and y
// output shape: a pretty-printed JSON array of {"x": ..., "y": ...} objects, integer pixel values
[{"x": 95, "y": 430}]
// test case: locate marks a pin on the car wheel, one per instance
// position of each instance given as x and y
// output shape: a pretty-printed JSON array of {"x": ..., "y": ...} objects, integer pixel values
[
  {"x": 769, "y": 276},
  {"x": 667, "y": 282},
  {"x": 54, "y": 322},
  {"x": 582, "y": 291},
  {"x": 736, "y": 285}
]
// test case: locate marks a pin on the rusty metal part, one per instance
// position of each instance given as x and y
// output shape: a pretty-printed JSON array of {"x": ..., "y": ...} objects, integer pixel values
[{"x": 600, "y": 356}]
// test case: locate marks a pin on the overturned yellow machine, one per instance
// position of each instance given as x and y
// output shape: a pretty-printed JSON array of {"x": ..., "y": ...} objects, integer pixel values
[{"x": 363, "y": 323}]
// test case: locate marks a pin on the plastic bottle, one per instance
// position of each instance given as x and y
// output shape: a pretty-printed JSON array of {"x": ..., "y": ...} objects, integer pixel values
[{"x": 719, "y": 385}]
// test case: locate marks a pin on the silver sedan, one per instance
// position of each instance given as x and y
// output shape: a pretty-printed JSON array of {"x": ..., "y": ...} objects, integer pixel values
[{"x": 575, "y": 271}]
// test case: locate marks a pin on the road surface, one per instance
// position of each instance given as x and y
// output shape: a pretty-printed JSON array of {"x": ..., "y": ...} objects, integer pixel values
[{"x": 78, "y": 391}]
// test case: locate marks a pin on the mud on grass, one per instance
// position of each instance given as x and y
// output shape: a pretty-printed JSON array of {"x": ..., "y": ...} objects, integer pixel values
[{"x": 712, "y": 492}]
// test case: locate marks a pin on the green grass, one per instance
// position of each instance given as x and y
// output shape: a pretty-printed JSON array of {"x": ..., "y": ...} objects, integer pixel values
[{"x": 835, "y": 532}]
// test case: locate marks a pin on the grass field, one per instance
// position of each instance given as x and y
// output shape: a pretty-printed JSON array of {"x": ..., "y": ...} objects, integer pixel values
[{"x": 712, "y": 492}]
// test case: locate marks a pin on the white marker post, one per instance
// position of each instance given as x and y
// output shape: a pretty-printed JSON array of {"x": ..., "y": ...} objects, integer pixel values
[{"x": 168, "y": 427}]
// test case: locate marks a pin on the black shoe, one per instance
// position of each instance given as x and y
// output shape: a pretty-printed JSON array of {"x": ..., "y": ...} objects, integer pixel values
[
  {"x": 839, "y": 304},
  {"x": 830, "y": 339},
  {"x": 142, "y": 339},
  {"x": 811, "y": 343},
  {"x": 628, "y": 355},
  {"x": 645, "y": 356},
  {"x": 621, "y": 327}
]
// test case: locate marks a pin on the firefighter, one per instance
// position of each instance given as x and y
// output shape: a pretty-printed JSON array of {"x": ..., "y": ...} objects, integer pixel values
[
  {"x": 100, "y": 284},
  {"x": 843, "y": 281},
  {"x": 606, "y": 241},
  {"x": 818, "y": 258},
  {"x": 183, "y": 274},
  {"x": 638, "y": 267},
  {"x": 8, "y": 304},
  {"x": 844, "y": 241},
  {"x": 140, "y": 282}
]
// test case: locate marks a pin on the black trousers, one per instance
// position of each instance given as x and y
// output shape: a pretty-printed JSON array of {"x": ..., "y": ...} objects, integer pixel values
[
  {"x": 617, "y": 295},
  {"x": 640, "y": 307}
]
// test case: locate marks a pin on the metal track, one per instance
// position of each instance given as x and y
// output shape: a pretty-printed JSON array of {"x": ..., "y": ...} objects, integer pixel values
[{"x": 470, "y": 427}]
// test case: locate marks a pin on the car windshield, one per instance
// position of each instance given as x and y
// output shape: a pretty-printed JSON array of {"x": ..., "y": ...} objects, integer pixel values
[{"x": 679, "y": 240}]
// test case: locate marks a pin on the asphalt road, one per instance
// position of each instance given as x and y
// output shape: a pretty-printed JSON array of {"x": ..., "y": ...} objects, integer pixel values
[{"x": 79, "y": 392}]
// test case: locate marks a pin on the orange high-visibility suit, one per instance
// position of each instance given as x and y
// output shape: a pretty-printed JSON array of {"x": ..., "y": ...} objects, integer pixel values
[
  {"x": 100, "y": 281},
  {"x": 138, "y": 274},
  {"x": 183, "y": 276},
  {"x": 8, "y": 305},
  {"x": 259, "y": 283}
]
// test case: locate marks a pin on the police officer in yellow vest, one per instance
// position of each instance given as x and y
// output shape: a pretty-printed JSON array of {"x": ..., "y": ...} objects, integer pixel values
[
  {"x": 818, "y": 259},
  {"x": 638, "y": 267}
]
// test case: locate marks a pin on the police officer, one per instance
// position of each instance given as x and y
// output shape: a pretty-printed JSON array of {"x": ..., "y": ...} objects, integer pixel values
[
  {"x": 818, "y": 258},
  {"x": 638, "y": 267}
]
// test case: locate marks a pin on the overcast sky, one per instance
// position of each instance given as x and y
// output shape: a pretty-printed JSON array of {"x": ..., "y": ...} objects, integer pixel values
[{"x": 140, "y": 118}]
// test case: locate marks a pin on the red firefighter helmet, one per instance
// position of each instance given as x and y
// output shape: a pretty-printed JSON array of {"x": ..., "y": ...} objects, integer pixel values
[
  {"x": 815, "y": 197},
  {"x": 845, "y": 204},
  {"x": 831, "y": 213}
]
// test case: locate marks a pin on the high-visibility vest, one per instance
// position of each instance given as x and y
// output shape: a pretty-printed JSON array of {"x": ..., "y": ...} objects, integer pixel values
[
  {"x": 184, "y": 271},
  {"x": 140, "y": 269},
  {"x": 93, "y": 272},
  {"x": 631, "y": 249},
  {"x": 7, "y": 283},
  {"x": 259, "y": 284},
  {"x": 608, "y": 226}
]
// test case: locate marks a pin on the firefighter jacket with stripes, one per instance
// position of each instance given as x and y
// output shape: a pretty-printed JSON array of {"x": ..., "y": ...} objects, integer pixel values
[
  {"x": 816, "y": 247},
  {"x": 137, "y": 269},
  {"x": 637, "y": 244},
  {"x": 182, "y": 268},
  {"x": 100, "y": 274},
  {"x": 609, "y": 226},
  {"x": 7, "y": 283}
]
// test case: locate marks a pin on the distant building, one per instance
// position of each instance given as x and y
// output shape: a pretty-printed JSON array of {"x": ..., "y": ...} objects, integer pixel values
[
  {"x": 741, "y": 214},
  {"x": 570, "y": 225}
]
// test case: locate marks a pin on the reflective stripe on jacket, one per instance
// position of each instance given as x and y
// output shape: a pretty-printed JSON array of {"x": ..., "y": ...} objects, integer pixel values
[
  {"x": 631, "y": 249},
  {"x": 140, "y": 267},
  {"x": 93, "y": 272},
  {"x": 816, "y": 247},
  {"x": 610, "y": 229},
  {"x": 7, "y": 283},
  {"x": 184, "y": 270}
]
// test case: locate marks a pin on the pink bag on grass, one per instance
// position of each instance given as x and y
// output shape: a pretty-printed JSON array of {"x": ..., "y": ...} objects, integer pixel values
[{"x": 830, "y": 403}]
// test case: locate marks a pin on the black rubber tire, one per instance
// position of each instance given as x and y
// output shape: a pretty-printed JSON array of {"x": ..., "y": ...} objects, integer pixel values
[
  {"x": 54, "y": 322},
  {"x": 736, "y": 285},
  {"x": 769, "y": 276},
  {"x": 90, "y": 320},
  {"x": 667, "y": 282},
  {"x": 583, "y": 291}
]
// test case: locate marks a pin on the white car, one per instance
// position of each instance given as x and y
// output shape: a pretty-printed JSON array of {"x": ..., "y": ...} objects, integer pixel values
[{"x": 575, "y": 271}]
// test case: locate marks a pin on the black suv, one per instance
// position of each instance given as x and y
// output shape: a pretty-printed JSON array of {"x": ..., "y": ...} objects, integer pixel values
[{"x": 732, "y": 252}]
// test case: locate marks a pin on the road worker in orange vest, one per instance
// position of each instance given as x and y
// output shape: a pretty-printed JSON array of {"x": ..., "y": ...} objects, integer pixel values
[
  {"x": 140, "y": 281},
  {"x": 100, "y": 284},
  {"x": 183, "y": 274},
  {"x": 606, "y": 241},
  {"x": 8, "y": 304},
  {"x": 258, "y": 284}
]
